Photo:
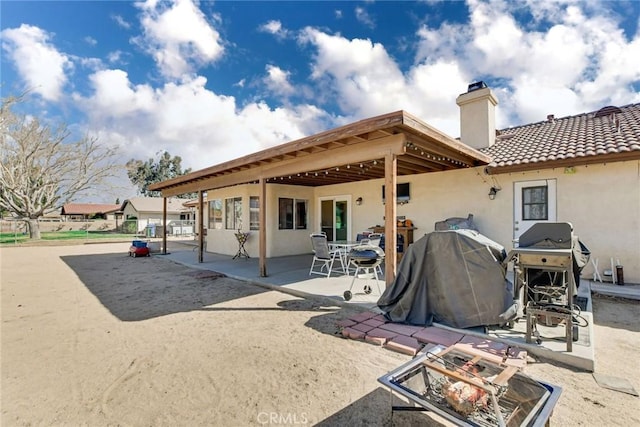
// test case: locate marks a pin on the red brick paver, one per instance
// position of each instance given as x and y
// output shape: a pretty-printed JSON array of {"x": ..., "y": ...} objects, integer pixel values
[
  {"x": 404, "y": 344},
  {"x": 379, "y": 336},
  {"x": 436, "y": 335}
]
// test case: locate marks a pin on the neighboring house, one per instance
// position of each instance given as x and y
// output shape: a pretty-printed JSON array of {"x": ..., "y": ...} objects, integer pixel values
[
  {"x": 149, "y": 210},
  {"x": 581, "y": 169},
  {"x": 85, "y": 211}
]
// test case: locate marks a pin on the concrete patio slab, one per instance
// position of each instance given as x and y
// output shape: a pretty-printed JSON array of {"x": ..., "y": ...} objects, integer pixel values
[{"x": 290, "y": 275}]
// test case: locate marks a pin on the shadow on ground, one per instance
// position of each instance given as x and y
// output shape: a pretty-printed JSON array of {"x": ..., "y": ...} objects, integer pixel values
[
  {"x": 144, "y": 292},
  {"x": 374, "y": 409},
  {"x": 157, "y": 288}
]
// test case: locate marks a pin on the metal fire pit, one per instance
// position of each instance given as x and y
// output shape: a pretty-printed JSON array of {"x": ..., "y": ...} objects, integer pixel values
[{"x": 501, "y": 396}]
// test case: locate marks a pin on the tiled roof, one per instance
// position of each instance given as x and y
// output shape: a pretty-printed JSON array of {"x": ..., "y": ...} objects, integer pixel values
[
  {"x": 610, "y": 133},
  {"x": 88, "y": 208}
]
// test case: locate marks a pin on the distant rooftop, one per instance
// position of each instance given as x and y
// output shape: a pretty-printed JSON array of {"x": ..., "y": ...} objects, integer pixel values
[{"x": 88, "y": 208}]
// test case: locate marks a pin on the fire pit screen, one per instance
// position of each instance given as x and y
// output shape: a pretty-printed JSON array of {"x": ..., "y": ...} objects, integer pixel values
[{"x": 470, "y": 390}]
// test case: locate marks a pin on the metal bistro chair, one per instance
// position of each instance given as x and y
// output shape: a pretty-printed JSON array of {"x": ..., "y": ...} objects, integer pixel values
[
  {"x": 323, "y": 257},
  {"x": 374, "y": 239}
]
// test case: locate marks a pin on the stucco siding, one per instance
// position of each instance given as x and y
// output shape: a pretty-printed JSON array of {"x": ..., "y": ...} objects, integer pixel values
[{"x": 602, "y": 201}]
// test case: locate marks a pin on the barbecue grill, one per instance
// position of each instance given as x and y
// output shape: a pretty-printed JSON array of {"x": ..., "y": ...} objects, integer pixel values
[
  {"x": 366, "y": 259},
  {"x": 547, "y": 266},
  {"x": 470, "y": 390}
]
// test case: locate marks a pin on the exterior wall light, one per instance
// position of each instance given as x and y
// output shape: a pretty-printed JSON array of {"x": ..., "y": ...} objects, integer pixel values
[
  {"x": 493, "y": 191},
  {"x": 359, "y": 201}
]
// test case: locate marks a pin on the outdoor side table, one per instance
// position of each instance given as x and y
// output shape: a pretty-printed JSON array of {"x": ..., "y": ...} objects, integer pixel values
[{"x": 242, "y": 239}]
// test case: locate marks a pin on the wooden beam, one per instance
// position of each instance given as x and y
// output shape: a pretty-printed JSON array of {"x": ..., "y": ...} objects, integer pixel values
[
  {"x": 441, "y": 139},
  {"x": 164, "y": 226},
  {"x": 347, "y": 132},
  {"x": 390, "y": 224},
  {"x": 262, "y": 213},
  {"x": 201, "y": 227},
  {"x": 347, "y": 154}
]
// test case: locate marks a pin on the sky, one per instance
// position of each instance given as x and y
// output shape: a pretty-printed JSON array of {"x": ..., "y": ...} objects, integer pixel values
[{"x": 211, "y": 81}]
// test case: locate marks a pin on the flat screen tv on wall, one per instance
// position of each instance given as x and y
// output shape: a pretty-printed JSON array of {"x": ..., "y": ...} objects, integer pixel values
[{"x": 403, "y": 193}]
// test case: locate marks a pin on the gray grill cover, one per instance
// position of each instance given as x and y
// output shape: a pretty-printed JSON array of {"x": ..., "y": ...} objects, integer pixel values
[{"x": 451, "y": 277}]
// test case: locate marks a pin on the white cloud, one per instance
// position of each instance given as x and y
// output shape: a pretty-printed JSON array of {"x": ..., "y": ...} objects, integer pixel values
[
  {"x": 362, "y": 15},
  {"x": 178, "y": 37},
  {"x": 90, "y": 41},
  {"x": 188, "y": 120},
  {"x": 38, "y": 62},
  {"x": 359, "y": 72},
  {"x": 571, "y": 58},
  {"x": 572, "y": 62},
  {"x": 365, "y": 81},
  {"x": 277, "y": 81},
  {"x": 115, "y": 56},
  {"x": 275, "y": 27},
  {"x": 121, "y": 21}
]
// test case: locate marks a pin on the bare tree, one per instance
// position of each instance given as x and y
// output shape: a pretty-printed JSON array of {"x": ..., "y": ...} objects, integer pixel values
[{"x": 40, "y": 170}]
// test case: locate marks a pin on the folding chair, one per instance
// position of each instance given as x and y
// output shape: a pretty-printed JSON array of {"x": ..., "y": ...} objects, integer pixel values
[{"x": 323, "y": 258}]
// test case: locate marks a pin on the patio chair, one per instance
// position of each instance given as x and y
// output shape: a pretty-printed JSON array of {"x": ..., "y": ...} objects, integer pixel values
[
  {"x": 374, "y": 239},
  {"x": 323, "y": 257}
]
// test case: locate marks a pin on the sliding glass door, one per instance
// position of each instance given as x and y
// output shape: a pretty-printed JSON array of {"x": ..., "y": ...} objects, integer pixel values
[{"x": 335, "y": 217}]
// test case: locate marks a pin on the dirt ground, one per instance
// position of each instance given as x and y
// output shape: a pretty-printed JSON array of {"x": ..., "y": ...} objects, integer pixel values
[{"x": 93, "y": 337}]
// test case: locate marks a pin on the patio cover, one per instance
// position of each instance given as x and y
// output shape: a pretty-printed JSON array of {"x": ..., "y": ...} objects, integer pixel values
[
  {"x": 453, "y": 277},
  {"x": 381, "y": 147}
]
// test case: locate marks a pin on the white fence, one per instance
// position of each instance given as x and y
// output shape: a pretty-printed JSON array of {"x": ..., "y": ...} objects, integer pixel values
[
  {"x": 134, "y": 227},
  {"x": 155, "y": 228}
]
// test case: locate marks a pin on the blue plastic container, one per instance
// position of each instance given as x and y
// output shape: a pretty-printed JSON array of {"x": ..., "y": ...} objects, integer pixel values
[{"x": 139, "y": 244}]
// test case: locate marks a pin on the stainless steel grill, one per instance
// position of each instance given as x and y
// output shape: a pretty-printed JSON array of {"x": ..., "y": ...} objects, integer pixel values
[{"x": 547, "y": 274}]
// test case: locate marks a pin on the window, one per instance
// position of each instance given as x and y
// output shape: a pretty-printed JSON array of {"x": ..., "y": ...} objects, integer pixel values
[
  {"x": 301, "y": 215},
  {"x": 254, "y": 213},
  {"x": 233, "y": 213},
  {"x": 215, "y": 214},
  {"x": 535, "y": 203},
  {"x": 292, "y": 214}
]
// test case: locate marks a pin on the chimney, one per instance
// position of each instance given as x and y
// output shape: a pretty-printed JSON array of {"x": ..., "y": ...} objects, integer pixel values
[{"x": 477, "y": 116}]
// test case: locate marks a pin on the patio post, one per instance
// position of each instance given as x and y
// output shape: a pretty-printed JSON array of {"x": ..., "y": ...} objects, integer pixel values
[
  {"x": 262, "y": 212},
  {"x": 390, "y": 224},
  {"x": 200, "y": 226},
  {"x": 164, "y": 225}
]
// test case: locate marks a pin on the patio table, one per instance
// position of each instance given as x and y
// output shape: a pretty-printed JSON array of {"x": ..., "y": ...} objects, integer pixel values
[{"x": 344, "y": 246}]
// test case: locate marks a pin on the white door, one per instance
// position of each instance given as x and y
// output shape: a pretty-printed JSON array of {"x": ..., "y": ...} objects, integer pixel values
[
  {"x": 335, "y": 217},
  {"x": 533, "y": 201}
]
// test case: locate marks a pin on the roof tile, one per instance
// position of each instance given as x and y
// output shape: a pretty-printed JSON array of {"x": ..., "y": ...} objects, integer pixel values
[{"x": 574, "y": 137}]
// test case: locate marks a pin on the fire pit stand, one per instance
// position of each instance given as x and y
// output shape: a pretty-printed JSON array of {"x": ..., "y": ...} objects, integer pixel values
[{"x": 470, "y": 390}]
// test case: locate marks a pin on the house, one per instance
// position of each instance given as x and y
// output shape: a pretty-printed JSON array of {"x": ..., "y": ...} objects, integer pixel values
[
  {"x": 85, "y": 211},
  {"x": 581, "y": 169},
  {"x": 149, "y": 210}
]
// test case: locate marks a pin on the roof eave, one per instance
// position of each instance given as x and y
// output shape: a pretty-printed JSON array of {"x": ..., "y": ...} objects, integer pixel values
[{"x": 575, "y": 161}]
